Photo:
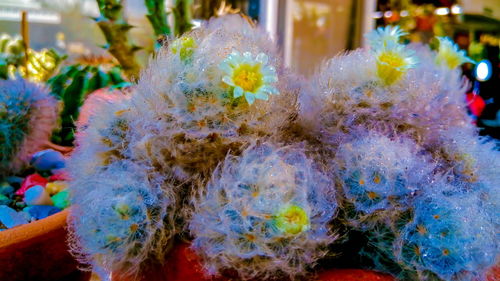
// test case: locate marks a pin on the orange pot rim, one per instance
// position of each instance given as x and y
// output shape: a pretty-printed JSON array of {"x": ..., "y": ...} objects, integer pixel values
[{"x": 28, "y": 232}]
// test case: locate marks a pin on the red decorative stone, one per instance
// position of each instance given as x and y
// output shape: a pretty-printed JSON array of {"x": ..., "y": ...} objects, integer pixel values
[
  {"x": 60, "y": 176},
  {"x": 353, "y": 275},
  {"x": 30, "y": 181}
]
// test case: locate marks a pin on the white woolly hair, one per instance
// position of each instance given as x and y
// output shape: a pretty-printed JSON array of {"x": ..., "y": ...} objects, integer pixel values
[
  {"x": 235, "y": 225},
  {"x": 124, "y": 220},
  {"x": 345, "y": 94},
  {"x": 182, "y": 119}
]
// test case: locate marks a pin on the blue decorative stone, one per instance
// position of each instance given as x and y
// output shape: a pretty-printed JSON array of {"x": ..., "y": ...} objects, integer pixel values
[
  {"x": 41, "y": 211},
  {"x": 13, "y": 180},
  {"x": 4, "y": 200},
  {"x": 6, "y": 189},
  {"x": 10, "y": 218},
  {"x": 48, "y": 159},
  {"x": 37, "y": 195}
]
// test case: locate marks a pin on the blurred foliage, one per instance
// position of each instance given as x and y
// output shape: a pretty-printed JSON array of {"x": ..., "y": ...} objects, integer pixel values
[
  {"x": 39, "y": 66},
  {"x": 74, "y": 83}
]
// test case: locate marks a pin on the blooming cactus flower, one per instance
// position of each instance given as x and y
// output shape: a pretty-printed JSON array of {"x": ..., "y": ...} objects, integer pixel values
[
  {"x": 393, "y": 61},
  {"x": 249, "y": 76},
  {"x": 450, "y": 55}
]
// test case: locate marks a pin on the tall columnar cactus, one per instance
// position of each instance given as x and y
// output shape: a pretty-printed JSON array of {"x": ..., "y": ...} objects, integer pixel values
[
  {"x": 73, "y": 85},
  {"x": 409, "y": 163},
  {"x": 182, "y": 16},
  {"x": 157, "y": 16},
  {"x": 28, "y": 115},
  {"x": 264, "y": 214},
  {"x": 115, "y": 29}
]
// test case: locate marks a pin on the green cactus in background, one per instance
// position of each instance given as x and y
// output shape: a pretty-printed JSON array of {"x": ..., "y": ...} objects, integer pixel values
[
  {"x": 158, "y": 17},
  {"x": 182, "y": 16},
  {"x": 72, "y": 85},
  {"x": 115, "y": 28}
]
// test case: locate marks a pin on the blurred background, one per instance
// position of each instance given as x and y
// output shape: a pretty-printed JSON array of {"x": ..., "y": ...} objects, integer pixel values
[{"x": 308, "y": 31}]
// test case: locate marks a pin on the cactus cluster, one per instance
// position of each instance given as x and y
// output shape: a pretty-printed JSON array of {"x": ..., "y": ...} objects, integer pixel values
[
  {"x": 28, "y": 114},
  {"x": 265, "y": 214},
  {"x": 207, "y": 94},
  {"x": 415, "y": 178},
  {"x": 220, "y": 143}
]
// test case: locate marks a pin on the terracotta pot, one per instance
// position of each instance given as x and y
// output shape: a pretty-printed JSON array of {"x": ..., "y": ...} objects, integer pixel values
[
  {"x": 183, "y": 264},
  {"x": 38, "y": 251},
  {"x": 353, "y": 275}
]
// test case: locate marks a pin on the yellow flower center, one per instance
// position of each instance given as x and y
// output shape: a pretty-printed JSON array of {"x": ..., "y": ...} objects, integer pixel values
[
  {"x": 390, "y": 67},
  {"x": 248, "y": 77},
  {"x": 292, "y": 219},
  {"x": 185, "y": 47}
]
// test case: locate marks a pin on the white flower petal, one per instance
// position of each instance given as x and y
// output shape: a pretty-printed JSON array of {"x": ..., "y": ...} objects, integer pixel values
[
  {"x": 224, "y": 66},
  {"x": 261, "y": 95},
  {"x": 270, "y": 78},
  {"x": 233, "y": 58},
  {"x": 249, "y": 97},
  {"x": 262, "y": 58},
  {"x": 228, "y": 80},
  {"x": 238, "y": 92},
  {"x": 247, "y": 55},
  {"x": 270, "y": 89},
  {"x": 269, "y": 70}
]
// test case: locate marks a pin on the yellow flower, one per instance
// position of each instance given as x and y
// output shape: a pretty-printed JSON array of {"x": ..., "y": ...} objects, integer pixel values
[
  {"x": 292, "y": 219},
  {"x": 450, "y": 55},
  {"x": 185, "y": 47},
  {"x": 248, "y": 76},
  {"x": 393, "y": 61}
]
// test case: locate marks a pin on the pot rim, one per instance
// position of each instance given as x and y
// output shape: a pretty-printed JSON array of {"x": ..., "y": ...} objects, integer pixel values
[{"x": 30, "y": 231}]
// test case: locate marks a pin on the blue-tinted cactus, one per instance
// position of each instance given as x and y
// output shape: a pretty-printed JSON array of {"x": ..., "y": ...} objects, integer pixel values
[
  {"x": 264, "y": 214},
  {"x": 27, "y": 116},
  {"x": 449, "y": 236},
  {"x": 123, "y": 218},
  {"x": 382, "y": 174}
]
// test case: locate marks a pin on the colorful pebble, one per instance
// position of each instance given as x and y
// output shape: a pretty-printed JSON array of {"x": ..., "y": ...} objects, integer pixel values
[
  {"x": 10, "y": 218},
  {"x": 41, "y": 211},
  {"x": 30, "y": 181},
  {"x": 47, "y": 160},
  {"x": 6, "y": 188},
  {"x": 4, "y": 200},
  {"x": 61, "y": 199},
  {"x": 55, "y": 187},
  {"x": 37, "y": 195}
]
